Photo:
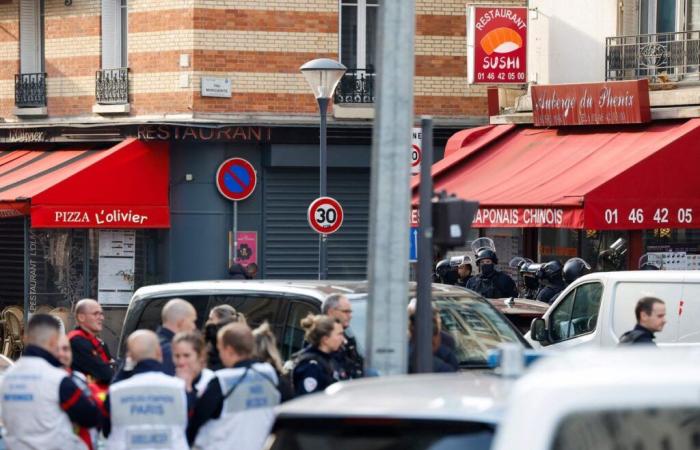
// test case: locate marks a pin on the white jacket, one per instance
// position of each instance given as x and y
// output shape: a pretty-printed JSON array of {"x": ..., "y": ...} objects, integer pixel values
[
  {"x": 247, "y": 413},
  {"x": 148, "y": 412}
]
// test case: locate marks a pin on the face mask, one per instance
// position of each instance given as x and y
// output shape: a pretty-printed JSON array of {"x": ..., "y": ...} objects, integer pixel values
[{"x": 487, "y": 269}]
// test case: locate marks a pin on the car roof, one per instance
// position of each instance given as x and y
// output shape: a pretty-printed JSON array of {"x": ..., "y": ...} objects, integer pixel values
[
  {"x": 644, "y": 275},
  {"x": 474, "y": 396},
  {"x": 311, "y": 288},
  {"x": 520, "y": 306}
]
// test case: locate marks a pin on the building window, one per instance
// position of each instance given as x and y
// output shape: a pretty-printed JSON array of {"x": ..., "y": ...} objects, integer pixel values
[
  {"x": 358, "y": 29},
  {"x": 668, "y": 16},
  {"x": 114, "y": 34},
  {"x": 31, "y": 36}
]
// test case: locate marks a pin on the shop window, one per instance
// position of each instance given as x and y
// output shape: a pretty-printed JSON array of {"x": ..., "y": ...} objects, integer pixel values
[
  {"x": 557, "y": 243},
  {"x": 509, "y": 243},
  {"x": 679, "y": 249},
  {"x": 597, "y": 249}
]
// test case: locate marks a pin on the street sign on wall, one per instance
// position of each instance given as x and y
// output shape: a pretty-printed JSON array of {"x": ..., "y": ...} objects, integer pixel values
[
  {"x": 497, "y": 44},
  {"x": 416, "y": 150},
  {"x": 236, "y": 179},
  {"x": 325, "y": 215}
]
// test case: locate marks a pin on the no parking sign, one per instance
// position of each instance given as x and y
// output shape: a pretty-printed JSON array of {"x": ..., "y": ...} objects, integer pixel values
[{"x": 236, "y": 179}]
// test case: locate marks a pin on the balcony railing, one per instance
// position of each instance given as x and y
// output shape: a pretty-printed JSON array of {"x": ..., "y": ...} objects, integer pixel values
[
  {"x": 659, "y": 57},
  {"x": 112, "y": 86},
  {"x": 30, "y": 90},
  {"x": 356, "y": 86}
]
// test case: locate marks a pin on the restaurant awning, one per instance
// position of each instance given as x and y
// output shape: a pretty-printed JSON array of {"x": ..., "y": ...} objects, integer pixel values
[
  {"x": 615, "y": 177},
  {"x": 125, "y": 186}
]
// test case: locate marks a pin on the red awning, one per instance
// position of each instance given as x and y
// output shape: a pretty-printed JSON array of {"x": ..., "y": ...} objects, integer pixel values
[
  {"x": 125, "y": 186},
  {"x": 624, "y": 177}
]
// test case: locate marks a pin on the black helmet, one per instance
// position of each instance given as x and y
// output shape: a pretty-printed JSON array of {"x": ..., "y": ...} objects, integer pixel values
[
  {"x": 574, "y": 268},
  {"x": 486, "y": 253},
  {"x": 442, "y": 267},
  {"x": 551, "y": 270}
]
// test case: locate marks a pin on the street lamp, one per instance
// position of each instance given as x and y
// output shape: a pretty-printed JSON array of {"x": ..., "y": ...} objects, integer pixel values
[{"x": 323, "y": 75}]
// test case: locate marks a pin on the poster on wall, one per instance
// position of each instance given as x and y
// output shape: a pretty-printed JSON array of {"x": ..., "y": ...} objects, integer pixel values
[
  {"x": 247, "y": 251},
  {"x": 116, "y": 267},
  {"x": 497, "y": 45}
]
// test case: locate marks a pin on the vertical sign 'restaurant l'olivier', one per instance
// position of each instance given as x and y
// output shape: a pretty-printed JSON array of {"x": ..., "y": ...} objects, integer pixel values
[{"x": 496, "y": 45}]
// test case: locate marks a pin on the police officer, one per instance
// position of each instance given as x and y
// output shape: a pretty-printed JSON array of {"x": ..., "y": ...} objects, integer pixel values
[
  {"x": 445, "y": 272},
  {"x": 177, "y": 316},
  {"x": 348, "y": 359},
  {"x": 236, "y": 409},
  {"x": 90, "y": 355},
  {"x": 651, "y": 318},
  {"x": 149, "y": 409},
  {"x": 574, "y": 268},
  {"x": 314, "y": 370},
  {"x": 464, "y": 272},
  {"x": 39, "y": 400},
  {"x": 490, "y": 282},
  {"x": 552, "y": 282}
]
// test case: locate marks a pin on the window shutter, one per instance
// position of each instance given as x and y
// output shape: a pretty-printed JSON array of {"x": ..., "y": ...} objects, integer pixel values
[
  {"x": 111, "y": 34},
  {"x": 30, "y": 36}
]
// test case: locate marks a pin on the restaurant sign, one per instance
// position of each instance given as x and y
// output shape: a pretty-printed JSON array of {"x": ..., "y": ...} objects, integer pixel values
[
  {"x": 615, "y": 102},
  {"x": 496, "y": 45}
]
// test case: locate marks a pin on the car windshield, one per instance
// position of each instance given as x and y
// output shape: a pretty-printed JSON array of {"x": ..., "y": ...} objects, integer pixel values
[
  {"x": 379, "y": 434},
  {"x": 474, "y": 324}
]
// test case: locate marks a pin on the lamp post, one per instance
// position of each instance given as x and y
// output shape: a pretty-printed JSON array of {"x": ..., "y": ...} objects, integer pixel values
[{"x": 323, "y": 76}]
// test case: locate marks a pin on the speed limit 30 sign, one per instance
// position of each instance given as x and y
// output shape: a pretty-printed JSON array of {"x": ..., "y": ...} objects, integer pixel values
[{"x": 325, "y": 215}]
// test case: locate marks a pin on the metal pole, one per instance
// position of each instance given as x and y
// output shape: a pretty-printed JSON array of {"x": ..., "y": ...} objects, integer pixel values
[
  {"x": 322, "y": 167},
  {"x": 234, "y": 238},
  {"x": 387, "y": 269},
  {"x": 424, "y": 319}
]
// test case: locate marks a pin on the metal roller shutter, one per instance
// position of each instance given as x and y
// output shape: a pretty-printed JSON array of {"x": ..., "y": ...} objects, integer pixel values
[
  {"x": 291, "y": 247},
  {"x": 12, "y": 261}
]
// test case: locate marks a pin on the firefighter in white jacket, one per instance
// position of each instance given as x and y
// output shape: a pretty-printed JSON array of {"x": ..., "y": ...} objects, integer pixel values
[
  {"x": 39, "y": 399},
  {"x": 148, "y": 410},
  {"x": 236, "y": 409}
]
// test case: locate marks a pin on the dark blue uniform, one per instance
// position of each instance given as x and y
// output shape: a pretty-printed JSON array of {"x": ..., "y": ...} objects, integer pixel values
[
  {"x": 314, "y": 371},
  {"x": 638, "y": 335},
  {"x": 348, "y": 361},
  {"x": 496, "y": 285},
  {"x": 550, "y": 292},
  {"x": 165, "y": 337}
]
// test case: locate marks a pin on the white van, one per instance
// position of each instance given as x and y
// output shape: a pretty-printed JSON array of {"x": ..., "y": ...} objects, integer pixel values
[{"x": 598, "y": 308}]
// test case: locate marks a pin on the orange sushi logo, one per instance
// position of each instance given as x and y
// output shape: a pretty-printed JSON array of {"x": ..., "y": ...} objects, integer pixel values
[{"x": 501, "y": 40}]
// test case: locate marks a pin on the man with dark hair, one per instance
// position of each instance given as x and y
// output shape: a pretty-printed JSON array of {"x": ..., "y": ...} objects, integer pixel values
[
  {"x": 348, "y": 357},
  {"x": 90, "y": 355},
  {"x": 651, "y": 318},
  {"x": 39, "y": 399}
]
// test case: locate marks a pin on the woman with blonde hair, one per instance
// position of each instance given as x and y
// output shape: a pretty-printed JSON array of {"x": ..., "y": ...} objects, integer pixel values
[
  {"x": 266, "y": 351},
  {"x": 313, "y": 370}
]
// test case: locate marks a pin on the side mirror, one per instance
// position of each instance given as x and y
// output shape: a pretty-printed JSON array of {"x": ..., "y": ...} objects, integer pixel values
[{"x": 538, "y": 330}]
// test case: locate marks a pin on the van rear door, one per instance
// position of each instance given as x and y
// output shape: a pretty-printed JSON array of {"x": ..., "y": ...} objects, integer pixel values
[{"x": 689, "y": 311}]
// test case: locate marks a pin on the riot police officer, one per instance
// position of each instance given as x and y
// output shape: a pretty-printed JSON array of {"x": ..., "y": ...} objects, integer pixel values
[
  {"x": 490, "y": 282},
  {"x": 445, "y": 272},
  {"x": 464, "y": 272},
  {"x": 573, "y": 269},
  {"x": 550, "y": 276}
]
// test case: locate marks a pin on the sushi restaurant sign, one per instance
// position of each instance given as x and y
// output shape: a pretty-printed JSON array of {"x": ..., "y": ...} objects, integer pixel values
[
  {"x": 613, "y": 102},
  {"x": 496, "y": 45}
]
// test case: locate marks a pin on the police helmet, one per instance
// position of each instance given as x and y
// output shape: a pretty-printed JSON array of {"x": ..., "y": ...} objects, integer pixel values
[
  {"x": 442, "y": 267},
  {"x": 551, "y": 270},
  {"x": 574, "y": 268},
  {"x": 486, "y": 253}
]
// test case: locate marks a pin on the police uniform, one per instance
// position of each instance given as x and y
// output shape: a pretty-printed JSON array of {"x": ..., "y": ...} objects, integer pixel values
[
  {"x": 39, "y": 402},
  {"x": 638, "y": 335},
  {"x": 314, "y": 371},
  {"x": 549, "y": 292},
  {"x": 202, "y": 381},
  {"x": 497, "y": 285},
  {"x": 147, "y": 411},
  {"x": 236, "y": 410},
  {"x": 348, "y": 358}
]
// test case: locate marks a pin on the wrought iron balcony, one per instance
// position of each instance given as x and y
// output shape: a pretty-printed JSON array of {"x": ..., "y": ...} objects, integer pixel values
[
  {"x": 112, "y": 86},
  {"x": 659, "y": 57},
  {"x": 30, "y": 90},
  {"x": 356, "y": 86}
]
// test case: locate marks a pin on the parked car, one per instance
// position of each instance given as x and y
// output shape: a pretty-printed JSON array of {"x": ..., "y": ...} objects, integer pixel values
[
  {"x": 475, "y": 324},
  {"x": 604, "y": 399},
  {"x": 417, "y": 412},
  {"x": 520, "y": 311},
  {"x": 596, "y": 309}
]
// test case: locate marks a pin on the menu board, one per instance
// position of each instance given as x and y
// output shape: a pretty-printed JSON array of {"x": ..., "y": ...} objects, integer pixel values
[{"x": 117, "y": 252}]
